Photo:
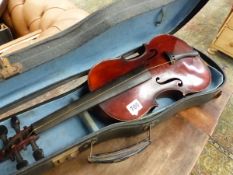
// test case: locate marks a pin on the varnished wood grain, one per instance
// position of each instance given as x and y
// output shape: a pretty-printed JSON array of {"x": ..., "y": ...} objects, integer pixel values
[{"x": 223, "y": 41}]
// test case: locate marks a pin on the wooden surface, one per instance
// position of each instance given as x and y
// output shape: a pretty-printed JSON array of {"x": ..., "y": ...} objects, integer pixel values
[
  {"x": 224, "y": 39},
  {"x": 19, "y": 43},
  {"x": 176, "y": 145}
]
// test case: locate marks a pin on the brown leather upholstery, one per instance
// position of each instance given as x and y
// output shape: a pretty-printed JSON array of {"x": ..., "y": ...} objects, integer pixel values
[
  {"x": 50, "y": 16},
  {"x": 33, "y": 20},
  {"x": 3, "y": 4}
]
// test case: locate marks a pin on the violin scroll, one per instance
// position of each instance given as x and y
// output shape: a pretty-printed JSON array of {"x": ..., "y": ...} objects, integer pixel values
[{"x": 14, "y": 145}]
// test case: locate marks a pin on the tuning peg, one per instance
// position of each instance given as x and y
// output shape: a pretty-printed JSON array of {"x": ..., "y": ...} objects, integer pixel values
[
  {"x": 21, "y": 163},
  {"x": 15, "y": 124},
  {"x": 37, "y": 152},
  {"x": 3, "y": 134}
]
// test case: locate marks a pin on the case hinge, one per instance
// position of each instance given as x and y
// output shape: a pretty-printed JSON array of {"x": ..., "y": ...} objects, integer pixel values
[{"x": 7, "y": 69}]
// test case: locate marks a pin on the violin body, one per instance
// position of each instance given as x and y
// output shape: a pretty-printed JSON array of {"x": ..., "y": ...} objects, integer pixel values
[{"x": 186, "y": 75}]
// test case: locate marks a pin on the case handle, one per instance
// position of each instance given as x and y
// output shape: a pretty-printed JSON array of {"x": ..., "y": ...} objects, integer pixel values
[{"x": 119, "y": 155}]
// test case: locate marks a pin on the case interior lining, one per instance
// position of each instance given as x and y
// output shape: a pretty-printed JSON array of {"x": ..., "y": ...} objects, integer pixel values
[{"x": 72, "y": 130}]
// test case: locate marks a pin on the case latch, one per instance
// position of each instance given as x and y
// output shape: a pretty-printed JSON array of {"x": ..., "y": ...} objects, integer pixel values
[
  {"x": 7, "y": 69},
  {"x": 67, "y": 155}
]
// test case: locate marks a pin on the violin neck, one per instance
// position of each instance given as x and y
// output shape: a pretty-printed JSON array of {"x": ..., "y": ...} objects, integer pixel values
[{"x": 92, "y": 99}]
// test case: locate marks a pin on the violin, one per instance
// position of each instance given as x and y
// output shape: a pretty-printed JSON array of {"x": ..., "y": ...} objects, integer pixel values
[
  {"x": 173, "y": 65},
  {"x": 124, "y": 89}
]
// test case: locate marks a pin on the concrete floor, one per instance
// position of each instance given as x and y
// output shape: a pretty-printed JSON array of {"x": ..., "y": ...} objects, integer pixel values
[{"x": 217, "y": 156}]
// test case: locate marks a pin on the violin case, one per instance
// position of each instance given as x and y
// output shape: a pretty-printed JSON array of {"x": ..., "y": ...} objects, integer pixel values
[{"x": 119, "y": 29}]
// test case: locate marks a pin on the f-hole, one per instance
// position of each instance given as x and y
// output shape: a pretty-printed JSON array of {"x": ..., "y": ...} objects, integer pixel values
[{"x": 159, "y": 81}]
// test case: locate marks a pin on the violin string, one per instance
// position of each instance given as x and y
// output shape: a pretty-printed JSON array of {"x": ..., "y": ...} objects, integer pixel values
[{"x": 125, "y": 81}]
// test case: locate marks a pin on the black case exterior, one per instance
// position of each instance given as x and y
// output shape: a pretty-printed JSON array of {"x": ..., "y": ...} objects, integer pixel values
[{"x": 125, "y": 129}]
